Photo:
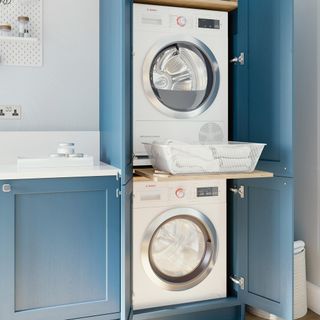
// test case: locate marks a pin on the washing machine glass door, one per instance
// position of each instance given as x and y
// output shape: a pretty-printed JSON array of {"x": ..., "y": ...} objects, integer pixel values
[
  {"x": 181, "y": 251},
  {"x": 181, "y": 78}
]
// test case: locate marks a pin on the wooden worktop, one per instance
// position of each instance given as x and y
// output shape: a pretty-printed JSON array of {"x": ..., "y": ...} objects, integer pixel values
[
  {"x": 220, "y": 5},
  {"x": 147, "y": 174}
]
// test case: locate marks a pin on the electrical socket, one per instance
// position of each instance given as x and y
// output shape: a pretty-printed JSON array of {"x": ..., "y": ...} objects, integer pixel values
[{"x": 10, "y": 112}]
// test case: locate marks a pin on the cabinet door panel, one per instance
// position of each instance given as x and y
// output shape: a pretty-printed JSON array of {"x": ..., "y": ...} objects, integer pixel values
[
  {"x": 265, "y": 234},
  {"x": 263, "y": 96},
  {"x": 126, "y": 249},
  {"x": 60, "y": 252},
  {"x": 115, "y": 85}
]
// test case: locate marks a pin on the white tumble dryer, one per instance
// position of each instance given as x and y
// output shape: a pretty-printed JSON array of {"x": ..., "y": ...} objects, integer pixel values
[
  {"x": 179, "y": 242},
  {"x": 180, "y": 76}
]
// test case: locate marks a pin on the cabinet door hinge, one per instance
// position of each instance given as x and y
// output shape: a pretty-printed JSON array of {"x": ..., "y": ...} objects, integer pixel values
[
  {"x": 118, "y": 193},
  {"x": 239, "y": 60},
  {"x": 239, "y": 281},
  {"x": 239, "y": 190},
  {"x": 6, "y": 188}
]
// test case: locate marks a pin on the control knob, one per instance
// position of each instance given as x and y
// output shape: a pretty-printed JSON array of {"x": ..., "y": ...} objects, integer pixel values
[
  {"x": 180, "y": 193},
  {"x": 181, "y": 21}
]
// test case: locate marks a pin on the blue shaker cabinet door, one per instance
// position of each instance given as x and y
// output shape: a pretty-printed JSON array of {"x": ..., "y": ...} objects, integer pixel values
[
  {"x": 60, "y": 249},
  {"x": 115, "y": 85},
  {"x": 263, "y": 86},
  {"x": 265, "y": 244},
  {"x": 126, "y": 251}
]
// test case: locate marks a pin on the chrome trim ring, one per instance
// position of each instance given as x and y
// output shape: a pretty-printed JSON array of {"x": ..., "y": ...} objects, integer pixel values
[
  {"x": 208, "y": 260},
  {"x": 154, "y": 51}
]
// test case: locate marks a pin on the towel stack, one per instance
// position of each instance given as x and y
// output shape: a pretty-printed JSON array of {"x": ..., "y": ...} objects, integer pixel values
[{"x": 177, "y": 157}]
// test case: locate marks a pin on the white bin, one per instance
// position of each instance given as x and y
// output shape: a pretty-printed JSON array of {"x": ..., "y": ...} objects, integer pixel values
[
  {"x": 300, "y": 282},
  {"x": 300, "y": 286}
]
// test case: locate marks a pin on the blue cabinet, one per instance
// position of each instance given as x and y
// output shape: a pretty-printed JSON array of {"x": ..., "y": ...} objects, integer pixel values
[
  {"x": 263, "y": 86},
  {"x": 262, "y": 111},
  {"x": 261, "y": 224},
  {"x": 60, "y": 249},
  {"x": 115, "y": 85},
  {"x": 264, "y": 229},
  {"x": 116, "y": 118}
]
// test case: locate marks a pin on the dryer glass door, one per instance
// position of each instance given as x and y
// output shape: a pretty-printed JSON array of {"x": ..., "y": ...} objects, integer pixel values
[
  {"x": 183, "y": 79},
  {"x": 177, "y": 248},
  {"x": 181, "y": 250}
]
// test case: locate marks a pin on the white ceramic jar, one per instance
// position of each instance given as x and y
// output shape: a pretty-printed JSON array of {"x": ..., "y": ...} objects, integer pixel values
[{"x": 5, "y": 30}]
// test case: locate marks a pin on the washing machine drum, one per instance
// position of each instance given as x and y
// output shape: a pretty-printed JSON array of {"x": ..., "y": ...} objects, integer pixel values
[
  {"x": 181, "y": 79},
  {"x": 179, "y": 249}
]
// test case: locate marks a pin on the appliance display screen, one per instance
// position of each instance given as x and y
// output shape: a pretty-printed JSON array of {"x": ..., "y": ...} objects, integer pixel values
[
  {"x": 209, "y": 23},
  {"x": 207, "y": 192}
]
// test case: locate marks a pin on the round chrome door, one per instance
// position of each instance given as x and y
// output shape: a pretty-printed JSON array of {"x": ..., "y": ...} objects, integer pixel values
[
  {"x": 179, "y": 249},
  {"x": 181, "y": 77}
]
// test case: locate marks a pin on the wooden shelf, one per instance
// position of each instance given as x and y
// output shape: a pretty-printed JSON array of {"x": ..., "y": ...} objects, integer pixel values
[
  {"x": 220, "y": 5},
  {"x": 147, "y": 174}
]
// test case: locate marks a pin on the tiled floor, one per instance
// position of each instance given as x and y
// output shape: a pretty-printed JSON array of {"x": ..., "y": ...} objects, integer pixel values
[{"x": 310, "y": 316}]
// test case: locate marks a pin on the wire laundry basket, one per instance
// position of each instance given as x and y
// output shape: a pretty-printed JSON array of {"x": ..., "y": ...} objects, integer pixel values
[{"x": 180, "y": 158}]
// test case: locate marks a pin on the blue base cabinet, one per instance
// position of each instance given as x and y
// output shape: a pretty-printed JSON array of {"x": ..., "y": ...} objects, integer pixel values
[
  {"x": 60, "y": 249},
  {"x": 264, "y": 244}
]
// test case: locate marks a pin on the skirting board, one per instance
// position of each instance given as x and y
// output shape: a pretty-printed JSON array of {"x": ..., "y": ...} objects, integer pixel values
[{"x": 313, "y": 297}]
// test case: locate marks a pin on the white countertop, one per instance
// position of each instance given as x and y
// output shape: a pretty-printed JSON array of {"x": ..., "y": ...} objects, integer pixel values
[{"x": 12, "y": 172}]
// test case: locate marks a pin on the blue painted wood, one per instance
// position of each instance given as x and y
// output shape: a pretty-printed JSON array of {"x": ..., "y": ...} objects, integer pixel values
[
  {"x": 115, "y": 85},
  {"x": 114, "y": 316},
  {"x": 126, "y": 251},
  {"x": 222, "y": 309},
  {"x": 265, "y": 235},
  {"x": 173, "y": 311},
  {"x": 263, "y": 96},
  {"x": 60, "y": 249},
  {"x": 116, "y": 119}
]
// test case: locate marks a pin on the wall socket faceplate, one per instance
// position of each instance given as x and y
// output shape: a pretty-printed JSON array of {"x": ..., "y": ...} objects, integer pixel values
[{"x": 10, "y": 112}]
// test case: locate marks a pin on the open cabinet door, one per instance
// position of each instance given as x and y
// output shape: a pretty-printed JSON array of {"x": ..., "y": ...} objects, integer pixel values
[
  {"x": 262, "y": 81},
  {"x": 265, "y": 244},
  {"x": 115, "y": 85},
  {"x": 262, "y": 111},
  {"x": 115, "y": 119}
]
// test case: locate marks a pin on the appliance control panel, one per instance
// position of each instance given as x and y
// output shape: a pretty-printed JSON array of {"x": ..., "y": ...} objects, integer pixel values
[
  {"x": 208, "y": 23},
  {"x": 207, "y": 192},
  {"x": 153, "y": 194}
]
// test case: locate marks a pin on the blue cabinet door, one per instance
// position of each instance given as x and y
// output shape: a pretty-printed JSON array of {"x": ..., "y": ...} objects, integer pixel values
[
  {"x": 60, "y": 249},
  {"x": 263, "y": 86},
  {"x": 126, "y": 251},
  {"x": 115, "y": 85},
  {"x": 265, "y": 244}
]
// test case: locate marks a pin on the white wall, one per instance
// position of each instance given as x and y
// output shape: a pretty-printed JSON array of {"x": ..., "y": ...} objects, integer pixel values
[
  {"x": 63, "y": 95},
  {"x": 307, "y": 132}
]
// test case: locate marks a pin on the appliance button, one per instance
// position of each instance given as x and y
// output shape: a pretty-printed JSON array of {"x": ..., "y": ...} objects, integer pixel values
[
  {"x": 181, "y": 21},
  {"x": 180, "y": 193}
]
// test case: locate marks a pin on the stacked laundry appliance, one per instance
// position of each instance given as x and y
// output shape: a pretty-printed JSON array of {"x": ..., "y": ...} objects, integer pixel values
[
  {"x": 180, "y": 91},
  {"x": 180, "y": 76}
]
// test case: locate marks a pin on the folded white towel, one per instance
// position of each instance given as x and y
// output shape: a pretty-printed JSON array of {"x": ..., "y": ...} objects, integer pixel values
[
  {"x": 181, "y": 164},
  {"x": 299, "y": 246},
  {"x": 231, "y": 151},
  {"x": 191, "y": 151}
]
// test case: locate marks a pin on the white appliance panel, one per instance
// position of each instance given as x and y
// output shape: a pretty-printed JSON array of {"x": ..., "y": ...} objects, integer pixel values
[
  {"x": 206, "y": 197},
  {"x": 156, "y": 27}
]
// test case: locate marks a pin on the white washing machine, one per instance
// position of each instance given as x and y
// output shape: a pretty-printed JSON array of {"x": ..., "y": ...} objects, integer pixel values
[
  {"x": 180, "y": 76},
  {"x": 179, "y": 242}
]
